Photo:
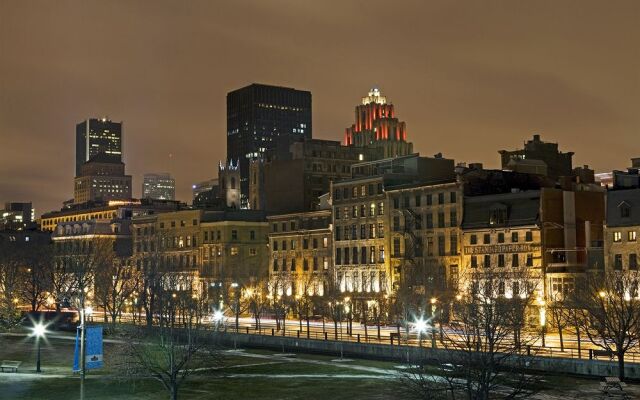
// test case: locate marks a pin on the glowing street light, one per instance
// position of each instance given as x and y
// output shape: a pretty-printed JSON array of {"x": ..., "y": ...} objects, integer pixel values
[
  {"x": 420, "y": 325},
  {"x": 39, "y": 330}
]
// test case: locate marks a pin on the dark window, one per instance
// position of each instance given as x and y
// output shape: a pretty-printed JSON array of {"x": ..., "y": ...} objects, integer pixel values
[
  {"x": 429, "y": 199},
  {"x": 500, "y": 237},
  {"x": 338, "y": 256},
  {"x": 195, "y": 222},
  {"x": 486, "y": 239},
  {"x": 454, "y": 244},
  {"x": 453, "y": 218},
  {"x": 406, "y": 202},
  {"x": 440, "y": 198},
  {"x": 474, "y": 262},
  {"x": 346, "y": 255},
  {"x": 315, "y": 263},
  {"x": 396, "y": 247},
  {"x": 315, "y": 243},
  {"x": 633, "y": 261},
  {"x": 275, "y": 264},
  {"x": 441, "y": 251},
  {"x": 252, "y": 235},
  {"x": 305, "y": 265},
  {"x": 305, "y": 243},
  {"x": 487, "y": 261},
  {"x": 515, "y": 260},
  {"x": 514, "y": 237},
  {"x": 396, "y": 202},
  {"x": 354, "y": 255},
  {"x": 396, "y": 223},
  {"x": 418, "y": 221},
  {"x": 275, "y": 245},
  {"x": 473, "y": 239},
  {"x": 338, "y": 233},
  {"x": 363, "y": 255},
  {"x": 363, "y": 231},
  {"x": 440, "y": 219},
  {"x": 429, "y": 221},
  {"x": 453, "y": 197},
  {"x": 418, "y": 200},
  {"x": 234, "y": 234},
  {"x": 293, "y": 264},
  {"x": 529, "y": 260},
  {"x": 617, "y": 261},
  {"x": 500, "y": 260}
]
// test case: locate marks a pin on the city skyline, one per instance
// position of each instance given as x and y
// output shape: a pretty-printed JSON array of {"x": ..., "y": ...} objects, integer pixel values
[{"x": 494, "y": 78}]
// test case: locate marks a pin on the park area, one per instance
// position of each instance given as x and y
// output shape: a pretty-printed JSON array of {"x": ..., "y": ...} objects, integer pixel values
[{"x": 242, "y": 374}]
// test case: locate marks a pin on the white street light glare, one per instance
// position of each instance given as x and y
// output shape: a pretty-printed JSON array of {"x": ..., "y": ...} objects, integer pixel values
[
  {"x": 39, "y": 329},
  {"x": 420, "y": 325}
]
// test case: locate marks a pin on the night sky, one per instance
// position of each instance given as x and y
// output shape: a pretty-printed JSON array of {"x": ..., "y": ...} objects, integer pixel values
[{"x": 468, "y": 77}]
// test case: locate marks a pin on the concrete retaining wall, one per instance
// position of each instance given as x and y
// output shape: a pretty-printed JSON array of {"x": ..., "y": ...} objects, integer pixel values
[{"x": 412, "y": 354}]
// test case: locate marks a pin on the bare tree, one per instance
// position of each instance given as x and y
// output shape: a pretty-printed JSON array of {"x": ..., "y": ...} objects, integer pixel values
[
  {"x": 608, "y": 310},
  {"x": 178, "y": 346},
  {"x": 36, "y": 278},
  {"x": 115, "y": 284},
  {"x": 12, "y": 255},
  {"x": 481, "y": 356}
]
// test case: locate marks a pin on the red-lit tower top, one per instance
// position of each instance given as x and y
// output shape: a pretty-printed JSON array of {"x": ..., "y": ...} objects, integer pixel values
[{"x": 377, "y": 126}]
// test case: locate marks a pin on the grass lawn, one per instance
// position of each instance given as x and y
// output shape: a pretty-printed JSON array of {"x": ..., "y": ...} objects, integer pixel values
[{"x": 246, "y": 374}]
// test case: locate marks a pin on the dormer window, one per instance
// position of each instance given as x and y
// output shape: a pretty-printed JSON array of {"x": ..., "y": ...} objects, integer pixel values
[
  {"x": 498, "y": 214},
  {"x": 625, "y": 210}
]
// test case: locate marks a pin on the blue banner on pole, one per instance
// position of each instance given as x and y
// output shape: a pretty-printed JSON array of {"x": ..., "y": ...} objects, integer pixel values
[{"x": 92, "y": 348}]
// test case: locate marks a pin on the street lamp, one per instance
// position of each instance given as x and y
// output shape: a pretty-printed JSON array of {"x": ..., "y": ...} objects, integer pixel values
[
  {"x": 38, "y": 331},
  {"x": 433, "y": 325},
  {"x": 420, "y": 326}
]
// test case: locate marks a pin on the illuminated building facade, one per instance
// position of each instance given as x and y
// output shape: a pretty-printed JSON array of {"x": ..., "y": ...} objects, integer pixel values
[
  {"x": 257, "y": 115},
  {"x": 301, "y": 253},
  {"x": 17, "y": 216},
  {"x": 540, "y": 242},
  {"x": 234, "y": 249},
  {"x": 623, "y": 221},
  {"x": 95, "y": 136},
  {"x": 101, "y": 179},
  {"x": 425, "y": 238},
  {"x": 159, "y": 186},
  {"x": 377, "y": 126}
]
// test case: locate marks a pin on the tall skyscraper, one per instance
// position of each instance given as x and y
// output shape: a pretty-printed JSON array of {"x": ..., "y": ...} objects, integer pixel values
[
  {"x": 258, "y": 118},
  {"x": 377, "y": 126},
  {"x": 94, "y": 136},
  {"x": 159, "y": 186}
]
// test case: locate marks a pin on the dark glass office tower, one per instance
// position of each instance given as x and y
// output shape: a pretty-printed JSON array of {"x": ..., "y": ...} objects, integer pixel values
[
  {"x": 258, "y": 117},
  {"x": 98, "y": 135}
]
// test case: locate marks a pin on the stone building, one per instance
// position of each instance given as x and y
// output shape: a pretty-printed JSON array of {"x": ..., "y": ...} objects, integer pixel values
[
  {"x": 234, "y": 248},
  {"x": 101, "y": 179},
  {"x": 208, "y": 249},
  {"x": 301, "y": 253},
  {"x": 538, "y": 157},
  {"x": 293, "y": 181},
  {"x": 623, "y": 222},
  {"x": 424, "y": 237},
  {"x": 532, "y": 243}
]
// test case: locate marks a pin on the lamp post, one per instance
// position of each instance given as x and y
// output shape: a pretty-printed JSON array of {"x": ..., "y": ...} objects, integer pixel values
[
  {"x": 433, "y": 325},
  {"x": 38, "y": 331},
  {"x": 421, "y": 327},
  {"x": 543, "y": 320}
]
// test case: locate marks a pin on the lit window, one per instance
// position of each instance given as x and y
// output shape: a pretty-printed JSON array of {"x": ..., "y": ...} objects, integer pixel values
[
  {"x": 632, "y": 236},
  {"x": 234, "y": 251},
  {"x": 617, "y": 236}
]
